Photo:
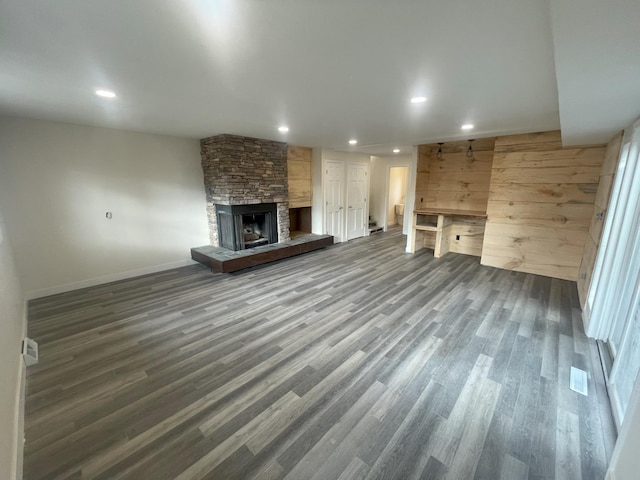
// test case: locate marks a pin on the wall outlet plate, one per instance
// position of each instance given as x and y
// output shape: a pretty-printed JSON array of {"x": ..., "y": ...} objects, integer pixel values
[{"x": 30, "y": 351}]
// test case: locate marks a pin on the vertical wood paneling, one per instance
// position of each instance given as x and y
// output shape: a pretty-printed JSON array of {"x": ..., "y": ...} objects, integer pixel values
[
  {"x": 299, "y": 176},
  {"x": 596, "y": 222},
  {"x": 540, "y": 204}
]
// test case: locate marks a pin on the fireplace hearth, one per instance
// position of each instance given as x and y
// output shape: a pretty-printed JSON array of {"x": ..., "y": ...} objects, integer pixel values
[{"x": 247, "y": 226}]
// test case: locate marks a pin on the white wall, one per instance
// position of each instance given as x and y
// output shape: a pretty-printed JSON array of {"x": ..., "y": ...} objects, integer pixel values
[
  {"x": 407, "y": 227},
  {"x": 58, "y": 180},
  {"x": 317, "y": 196},
  {"x": 12, "y": 329}
]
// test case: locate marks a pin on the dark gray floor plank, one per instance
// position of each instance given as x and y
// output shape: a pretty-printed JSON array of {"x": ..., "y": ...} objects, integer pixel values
[{"x": 350, "y": 362}]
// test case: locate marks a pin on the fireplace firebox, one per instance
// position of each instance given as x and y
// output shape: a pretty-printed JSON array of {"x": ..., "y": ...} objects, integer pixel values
[{"x": 247, "y": 226}]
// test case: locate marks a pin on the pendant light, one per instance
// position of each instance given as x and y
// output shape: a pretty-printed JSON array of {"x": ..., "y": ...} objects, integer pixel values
[{"x": 470, "y": 150}]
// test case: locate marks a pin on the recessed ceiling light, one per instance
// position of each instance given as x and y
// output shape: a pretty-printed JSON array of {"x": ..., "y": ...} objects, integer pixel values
[
  {"x": 353, "y": 141},
  {"x": 396, "y": 150},
  {"x": 283, "y": 129},
  {"x": 467, "y": 126},
  {"x": 418, "y": 99},
  {"x": 105, "y": 93}
]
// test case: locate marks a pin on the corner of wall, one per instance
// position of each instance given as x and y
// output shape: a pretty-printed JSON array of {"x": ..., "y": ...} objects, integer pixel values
[
  {"x": 19, "y": 423},
  {"x": 317, "y": 196}
]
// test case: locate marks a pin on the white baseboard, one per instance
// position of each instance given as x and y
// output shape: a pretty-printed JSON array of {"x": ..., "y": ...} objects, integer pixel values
[{"x": 92, "y": 282}]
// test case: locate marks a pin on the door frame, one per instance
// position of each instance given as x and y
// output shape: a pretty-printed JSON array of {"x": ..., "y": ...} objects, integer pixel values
[
  {"x": 611, "y": 299},
  {"x": 386, "y": 196}
]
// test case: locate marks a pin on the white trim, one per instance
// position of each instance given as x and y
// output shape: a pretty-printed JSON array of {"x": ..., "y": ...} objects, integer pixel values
[{"x": 92, "y": 282}]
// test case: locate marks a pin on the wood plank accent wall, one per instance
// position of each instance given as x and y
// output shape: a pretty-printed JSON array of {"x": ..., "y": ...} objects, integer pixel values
[
  {"x": 603, "y": 195},
  {"x": 540, "y": 204},
  {"x": 467, "y": 235},
  {"x": 299, "y": 176},
  {"x": 456, "y": 182}
]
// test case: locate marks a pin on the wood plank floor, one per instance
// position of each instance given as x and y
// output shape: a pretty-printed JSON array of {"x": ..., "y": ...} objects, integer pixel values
[{"x": 355, "y": 362}]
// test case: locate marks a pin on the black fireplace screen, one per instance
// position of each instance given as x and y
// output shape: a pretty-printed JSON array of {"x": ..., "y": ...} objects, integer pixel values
[{"x": 247, "y": 226}]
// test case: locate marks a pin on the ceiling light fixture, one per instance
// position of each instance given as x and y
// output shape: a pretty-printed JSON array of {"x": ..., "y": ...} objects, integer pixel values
[
  {"x": 470, "y": 150},
  {"x": 439, "y": 152},
  {"x": 283, "y": 129},
  {"x": 467, "y": 126},
  {"x": 396, "y": 150},
  {"x": 105, "y": 93},
  {"x": 353, "y": 141},
  {"x": 418, "y": 99}
]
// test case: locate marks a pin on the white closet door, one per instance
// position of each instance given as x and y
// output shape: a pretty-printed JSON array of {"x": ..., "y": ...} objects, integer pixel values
[
  {"x": 357, "y": 211},
  {"x": 334, "y": 200}
]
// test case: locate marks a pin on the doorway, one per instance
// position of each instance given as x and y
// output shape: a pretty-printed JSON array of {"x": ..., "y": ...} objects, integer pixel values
[{"x": 397, "y": 188}]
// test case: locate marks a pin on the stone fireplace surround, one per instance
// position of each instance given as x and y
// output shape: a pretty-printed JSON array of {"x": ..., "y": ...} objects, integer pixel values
[{"x": 243, "y": 171}]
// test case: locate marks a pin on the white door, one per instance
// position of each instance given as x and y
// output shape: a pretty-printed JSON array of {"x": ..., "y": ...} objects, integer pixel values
[
  {"x": 357, "y": 211},
  {"x": 334, "y": 200},
  {"x": 614, "y": 294}
]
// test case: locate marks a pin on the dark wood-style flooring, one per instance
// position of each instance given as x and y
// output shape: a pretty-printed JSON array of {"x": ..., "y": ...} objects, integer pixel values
[{"x": 354, "y": 362}]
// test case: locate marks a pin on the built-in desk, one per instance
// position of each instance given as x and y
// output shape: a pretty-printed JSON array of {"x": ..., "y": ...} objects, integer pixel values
[{"x": 439, "y": 222}]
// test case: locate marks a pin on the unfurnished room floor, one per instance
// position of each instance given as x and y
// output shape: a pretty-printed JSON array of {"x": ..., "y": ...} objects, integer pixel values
[{"x": 356, "y": 361}]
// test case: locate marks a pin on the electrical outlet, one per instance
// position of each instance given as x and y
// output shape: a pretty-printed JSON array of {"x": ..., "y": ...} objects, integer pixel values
[
  {"x": 457, "y": 237},
  {"x": 30, "y": 351},
  {"x": 109, "y": 215}
]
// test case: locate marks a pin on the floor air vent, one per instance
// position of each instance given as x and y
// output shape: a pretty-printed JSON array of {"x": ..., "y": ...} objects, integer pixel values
[{"x": 578, "y": 382}]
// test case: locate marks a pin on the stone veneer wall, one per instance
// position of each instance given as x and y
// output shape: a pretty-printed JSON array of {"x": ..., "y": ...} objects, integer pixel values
[{"x": 241, "y": 171}]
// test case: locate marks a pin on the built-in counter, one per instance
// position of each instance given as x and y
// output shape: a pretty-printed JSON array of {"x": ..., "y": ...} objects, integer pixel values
[{"x": 433, "y": 227}]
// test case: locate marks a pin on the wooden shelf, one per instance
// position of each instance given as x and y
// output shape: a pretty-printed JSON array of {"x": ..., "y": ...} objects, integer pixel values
[
  {"x": 451, "y": 212},
  {"x": 427, "y": 228},
  {"x": 438, "y": 221}
]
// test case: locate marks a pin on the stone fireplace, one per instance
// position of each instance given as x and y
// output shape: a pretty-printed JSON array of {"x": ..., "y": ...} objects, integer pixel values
[{"x": 246, "y": 187}]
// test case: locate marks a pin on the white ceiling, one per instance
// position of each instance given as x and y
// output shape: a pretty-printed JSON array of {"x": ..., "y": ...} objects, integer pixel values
[
  {"x": 330, "y": 69},
  {"x": 597, "y": 52}
]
